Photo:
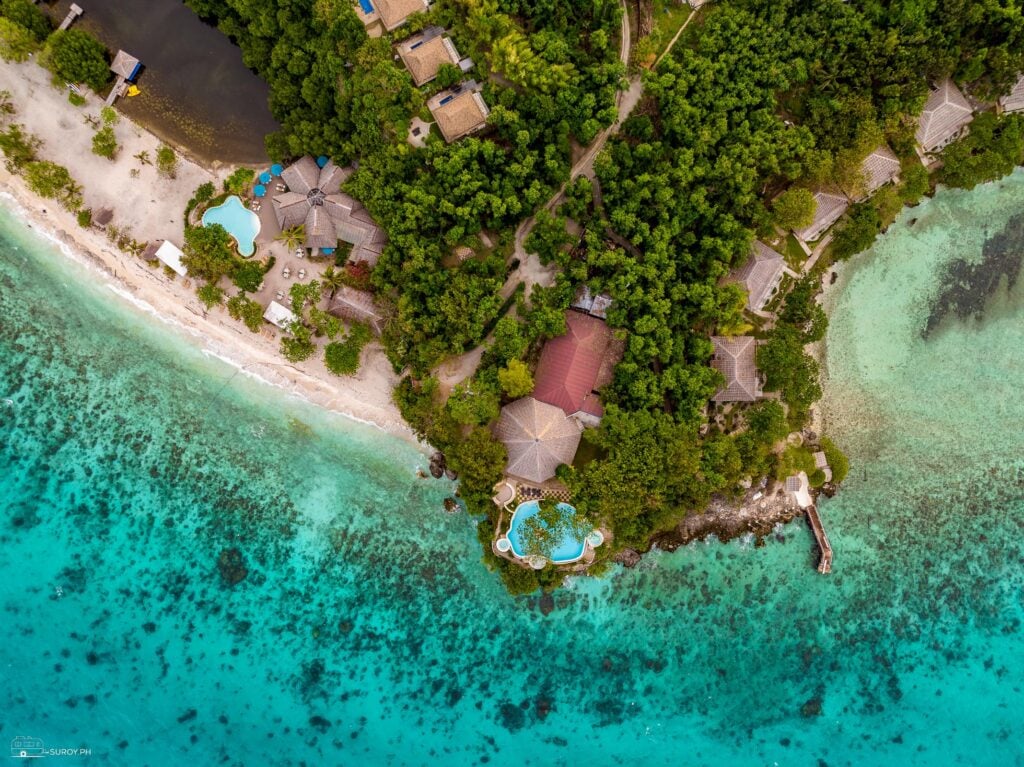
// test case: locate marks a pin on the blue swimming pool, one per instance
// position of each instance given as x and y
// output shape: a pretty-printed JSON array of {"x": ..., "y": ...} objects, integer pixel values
[
  {"x": 367, "y": 6},
  {"x": 241, "y": 223},
  {"x": 569, "y": 544}
]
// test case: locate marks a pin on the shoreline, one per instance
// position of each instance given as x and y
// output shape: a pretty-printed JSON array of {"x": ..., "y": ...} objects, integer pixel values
[
  {"x": 175, "y": 306},
  {"x": 148, "y": 207}
]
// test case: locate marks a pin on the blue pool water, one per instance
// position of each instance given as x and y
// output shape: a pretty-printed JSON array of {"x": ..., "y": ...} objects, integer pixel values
[
  {"x": 367, "y": 6},
  {"x": 241, "y": 223},
  {"x": 568, "y": 549}
]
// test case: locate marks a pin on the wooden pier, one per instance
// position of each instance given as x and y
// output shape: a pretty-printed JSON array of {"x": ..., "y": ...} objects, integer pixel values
[
  {"x": 73, "y": 14},
  {"x": 825, "y": 563}
]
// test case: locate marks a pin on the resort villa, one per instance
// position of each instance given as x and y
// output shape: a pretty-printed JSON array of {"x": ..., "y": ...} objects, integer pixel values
[
  {"x": 1014, "y": 100},
  {"x": 735, "y": 358},
  {"x": 828, "y": 208},
  {"x": 425, "y": 52},
  {"x": 879, "y": 168},
  {"x": 761, "y": 275},
  {"x": 539, "y": 438},
  {"x": 389, "y": 14},
  {"x": 575, "y": 365},
  {"x": 945, "y": 118},
  {"x": 312, "y": 199},
  {"x": 459, "y": 111}
]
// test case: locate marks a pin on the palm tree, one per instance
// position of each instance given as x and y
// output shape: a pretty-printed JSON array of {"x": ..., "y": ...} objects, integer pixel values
[
  {"x": 143, "y": 158},
  {"x": 332, "y": 279},
  {"x": 293, "y": 236}
]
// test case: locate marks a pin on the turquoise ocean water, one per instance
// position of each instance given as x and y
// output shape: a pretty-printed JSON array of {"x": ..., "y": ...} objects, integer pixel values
[{"x": 136, "y": 474}]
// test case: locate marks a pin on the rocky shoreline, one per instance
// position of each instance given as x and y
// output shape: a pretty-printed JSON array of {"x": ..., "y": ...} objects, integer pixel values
[{"x": 758, "y": 511}]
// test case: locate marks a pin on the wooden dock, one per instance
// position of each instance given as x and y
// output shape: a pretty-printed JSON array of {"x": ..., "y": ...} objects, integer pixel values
[
  {"x": 825, "y": 563},
  {"x": 73, "y": 14}
]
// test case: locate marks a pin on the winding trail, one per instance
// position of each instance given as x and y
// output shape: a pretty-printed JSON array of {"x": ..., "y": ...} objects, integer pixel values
[{"x": 531, "y": 271}]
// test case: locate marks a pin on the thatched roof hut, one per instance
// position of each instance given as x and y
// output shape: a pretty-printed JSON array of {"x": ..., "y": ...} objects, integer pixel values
[
  {"x": 315, "y": 201},
  {"x": 459, "y": 111},
  {"x": 125, "y": 65},
  {"x": 761, "y": 275},
  {"x": 538, "y": 437}
]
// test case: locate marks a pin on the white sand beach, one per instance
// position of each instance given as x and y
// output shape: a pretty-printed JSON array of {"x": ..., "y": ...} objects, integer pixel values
[{"x": 152, "y": 208}]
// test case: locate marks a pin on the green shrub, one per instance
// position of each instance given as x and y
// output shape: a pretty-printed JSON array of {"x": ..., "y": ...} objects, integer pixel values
[
  {"x": 248, "y": 275},
  {"x": 167, "y": 163},
  {"x": 299, "y": 345},
  {"x": 27, "y": 15},
  {"x": 84, "y": 217},
  {"x": 239, "y": 181},
  {"x": 242, "y": 308},
  {"x": 837, "y": 460},
  {"x": 75, "y": 56},
  {"x": 210, "y": 294},
  {"x": 16, "y": 42},
  {"x": 342, "y": 357},
  {"x": 48, "y": 179},
  {"x": 76, "y": 99},
  {"x": 104, "y": 143},
  {"x": 19, "y": 147}
]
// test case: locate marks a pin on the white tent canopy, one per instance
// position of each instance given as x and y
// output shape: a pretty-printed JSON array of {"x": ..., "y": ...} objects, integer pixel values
[
  {"x": 168, "y": 253},
  {"x": 279, "y": 315}
]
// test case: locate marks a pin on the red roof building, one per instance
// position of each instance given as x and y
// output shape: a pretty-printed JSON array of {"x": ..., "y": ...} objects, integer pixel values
[{"x": 574, "y": 366}]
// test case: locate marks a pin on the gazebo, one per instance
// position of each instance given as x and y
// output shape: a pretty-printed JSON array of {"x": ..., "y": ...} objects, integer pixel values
[{"x": 539, "y": 438}]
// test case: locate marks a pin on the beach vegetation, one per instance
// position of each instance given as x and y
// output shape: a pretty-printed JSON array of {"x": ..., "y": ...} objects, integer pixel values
[
  {"x": 247, "y": 275},
  {"x": 292, "y": 236},
  {"x": 7, "y": 103},
  {"x": 19, "y": 147},
  {"x": 793, "y": 460},
  {"x": 331, "y": 280},
  {"x": 479, "y": 460},
  {"x": 794, "y": 209},
  {"x": 342, "y": 357},
  {"x": 298, "y": 346},
  {"x": 104, "y": 143},
  {"x": 143, "y": 157},
  {"x": 992, "y": 149},
  {"x": 303, "y": 294},
  {"x": 16, "y": 42},
  {"x": 203, "y": 194},
  {"x": 210, "y": 295},
  {"x": 27, "y": 15},
  {"x": 239, "y": 181},
  {"x": 837, "y": 460},
  {"x": 84, "y": 217},
  {"x": 76, "y": 99},
  {"x": 75, "y": 56},
  {"x": 48, "y": 179},
  {"x": 109, "y": 116},
  {"x": 208, "y": 252},
  {"x": 515, "y": 379},
  {"x": 243, "y": 308},
  {"x": 166, "y": 162}
]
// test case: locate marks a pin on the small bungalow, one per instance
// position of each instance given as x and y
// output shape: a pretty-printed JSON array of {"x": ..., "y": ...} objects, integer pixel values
[
  {"x": 390, "y": 13},
  {"x": 279, "y": 315},
  {"x": 828, "y": 208},
  {"x": 539, "y": 438},
  {"x": 761, "y": 275},
  {"x": 821, "y": 462},
  {"x": 1014, "y": 100},
  {"x": 425, "y": 52},
  {"x": 945, "y": 117},
  {"x": 358, "y": 305},
  {"x": 459, "y": 111},
  {"x": 575, "y": 365},
  {"x": 314, "y": 200},
  {"x": 169, "y": 254},
  {"x": 594, "y": 304},
  {"x": 736, "y": 359},
  {"x": 879, "y": 168}
]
